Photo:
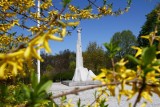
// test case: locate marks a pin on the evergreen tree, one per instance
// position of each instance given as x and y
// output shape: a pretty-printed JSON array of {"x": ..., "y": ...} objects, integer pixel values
[{"x": 152, "y": 19}]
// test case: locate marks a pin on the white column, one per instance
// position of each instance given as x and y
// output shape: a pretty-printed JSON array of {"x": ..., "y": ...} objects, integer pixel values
[
  {"x": 38, "y": 24},
  {"x": 79, "y": 58}
]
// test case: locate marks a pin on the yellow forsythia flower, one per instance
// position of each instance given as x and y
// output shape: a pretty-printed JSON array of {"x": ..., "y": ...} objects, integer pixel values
[
  {"x": 139, "y": 50},
  {"x": 146, "y": 96},
  {"x": 73, "y": 23}
]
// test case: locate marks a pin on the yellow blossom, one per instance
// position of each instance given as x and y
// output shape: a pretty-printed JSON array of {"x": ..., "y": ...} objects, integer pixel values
[
  {"x": 63, "y": 32},
  {"x": 2, "y": 70},
  {"x": 144, "y": 104},
  {"x": 139, "y": 50},
  {"x": 152, "y": 77},
  {"x": 151, "y": 37},
  {"x": 73, "y": 23},
  {"x": 146, "y": 96}
]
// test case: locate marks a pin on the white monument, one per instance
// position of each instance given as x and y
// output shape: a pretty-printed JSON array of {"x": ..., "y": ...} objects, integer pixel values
[{"x": 81, "y": 73}]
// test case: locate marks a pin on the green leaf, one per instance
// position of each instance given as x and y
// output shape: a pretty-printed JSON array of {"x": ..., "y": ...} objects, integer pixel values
[
  {"x": 3, "y": 91},
  {"x": 156, "y": 63},
  {"x": 43, "y": 87},
  {"x": 42, "y": 94},
  {"x": 146, "y": 70},
  {"x": 117, "y": 49},
  {"x": 134, "y": 59},
  {"x": 102, "y": 103},
  {"x": 148, "y": 55},
  {"x": 112, "y": 48},
  {"x": 34, "y": 79},
  {"x": 54, "y": 104},
  {"x": 27, "y": 91},
  {"x": 79, "y": 103},
  {"x": 39, "y": 102},
  {"x": 63, "y": 98},
  {"x": 106, "y": 45}
]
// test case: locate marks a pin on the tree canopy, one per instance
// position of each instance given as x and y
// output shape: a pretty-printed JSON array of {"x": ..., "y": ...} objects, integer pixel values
[
  {"x": 94, "y": 57},
  {"x": 152, "y": 20},
  {"x": 125, "y": 40}
]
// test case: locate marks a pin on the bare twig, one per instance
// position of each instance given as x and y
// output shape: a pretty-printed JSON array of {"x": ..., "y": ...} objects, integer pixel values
[
  {"x": 139, "y": 93},
  {"x": 16, "y": 24},
  {"x": 93, "y": 3},
  {"x": 97, "y": 98},
  {"x": 27, "y": 16},
  {"x": 76, "y": 90}
]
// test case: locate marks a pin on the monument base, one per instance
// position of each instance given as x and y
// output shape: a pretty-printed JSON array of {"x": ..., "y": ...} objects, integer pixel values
[{"x": 80, "y": 83}]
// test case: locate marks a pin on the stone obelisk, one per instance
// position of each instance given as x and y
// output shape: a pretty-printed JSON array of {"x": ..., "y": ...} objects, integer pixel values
[
  {"x": 81, "y": 73},
  {"x": 79, "y": 58}
]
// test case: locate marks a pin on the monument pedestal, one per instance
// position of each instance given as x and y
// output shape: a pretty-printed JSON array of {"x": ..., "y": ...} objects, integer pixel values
[
  {"x": 83, "y": 74},
  {"x": 81, "y": 83}
]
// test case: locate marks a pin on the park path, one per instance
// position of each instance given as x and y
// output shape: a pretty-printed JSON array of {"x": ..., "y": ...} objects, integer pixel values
[{"x": 87, "y": 97}]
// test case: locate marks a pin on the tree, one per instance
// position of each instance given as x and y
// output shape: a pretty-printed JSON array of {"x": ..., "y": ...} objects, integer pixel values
[
  {"x": 62, "y": 60},
  {"x": 64, "y": 65},
  {"x": 152, "y": 20},
  {"x": 125, "y": 40},
  {"x": 49, "y": 61},
  {"x": 57, "y": 66},
  {"x": 94, "y": 57}
]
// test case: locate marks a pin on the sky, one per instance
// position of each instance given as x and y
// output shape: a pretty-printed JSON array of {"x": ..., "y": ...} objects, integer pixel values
[{"x": 101, "y": 30}]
